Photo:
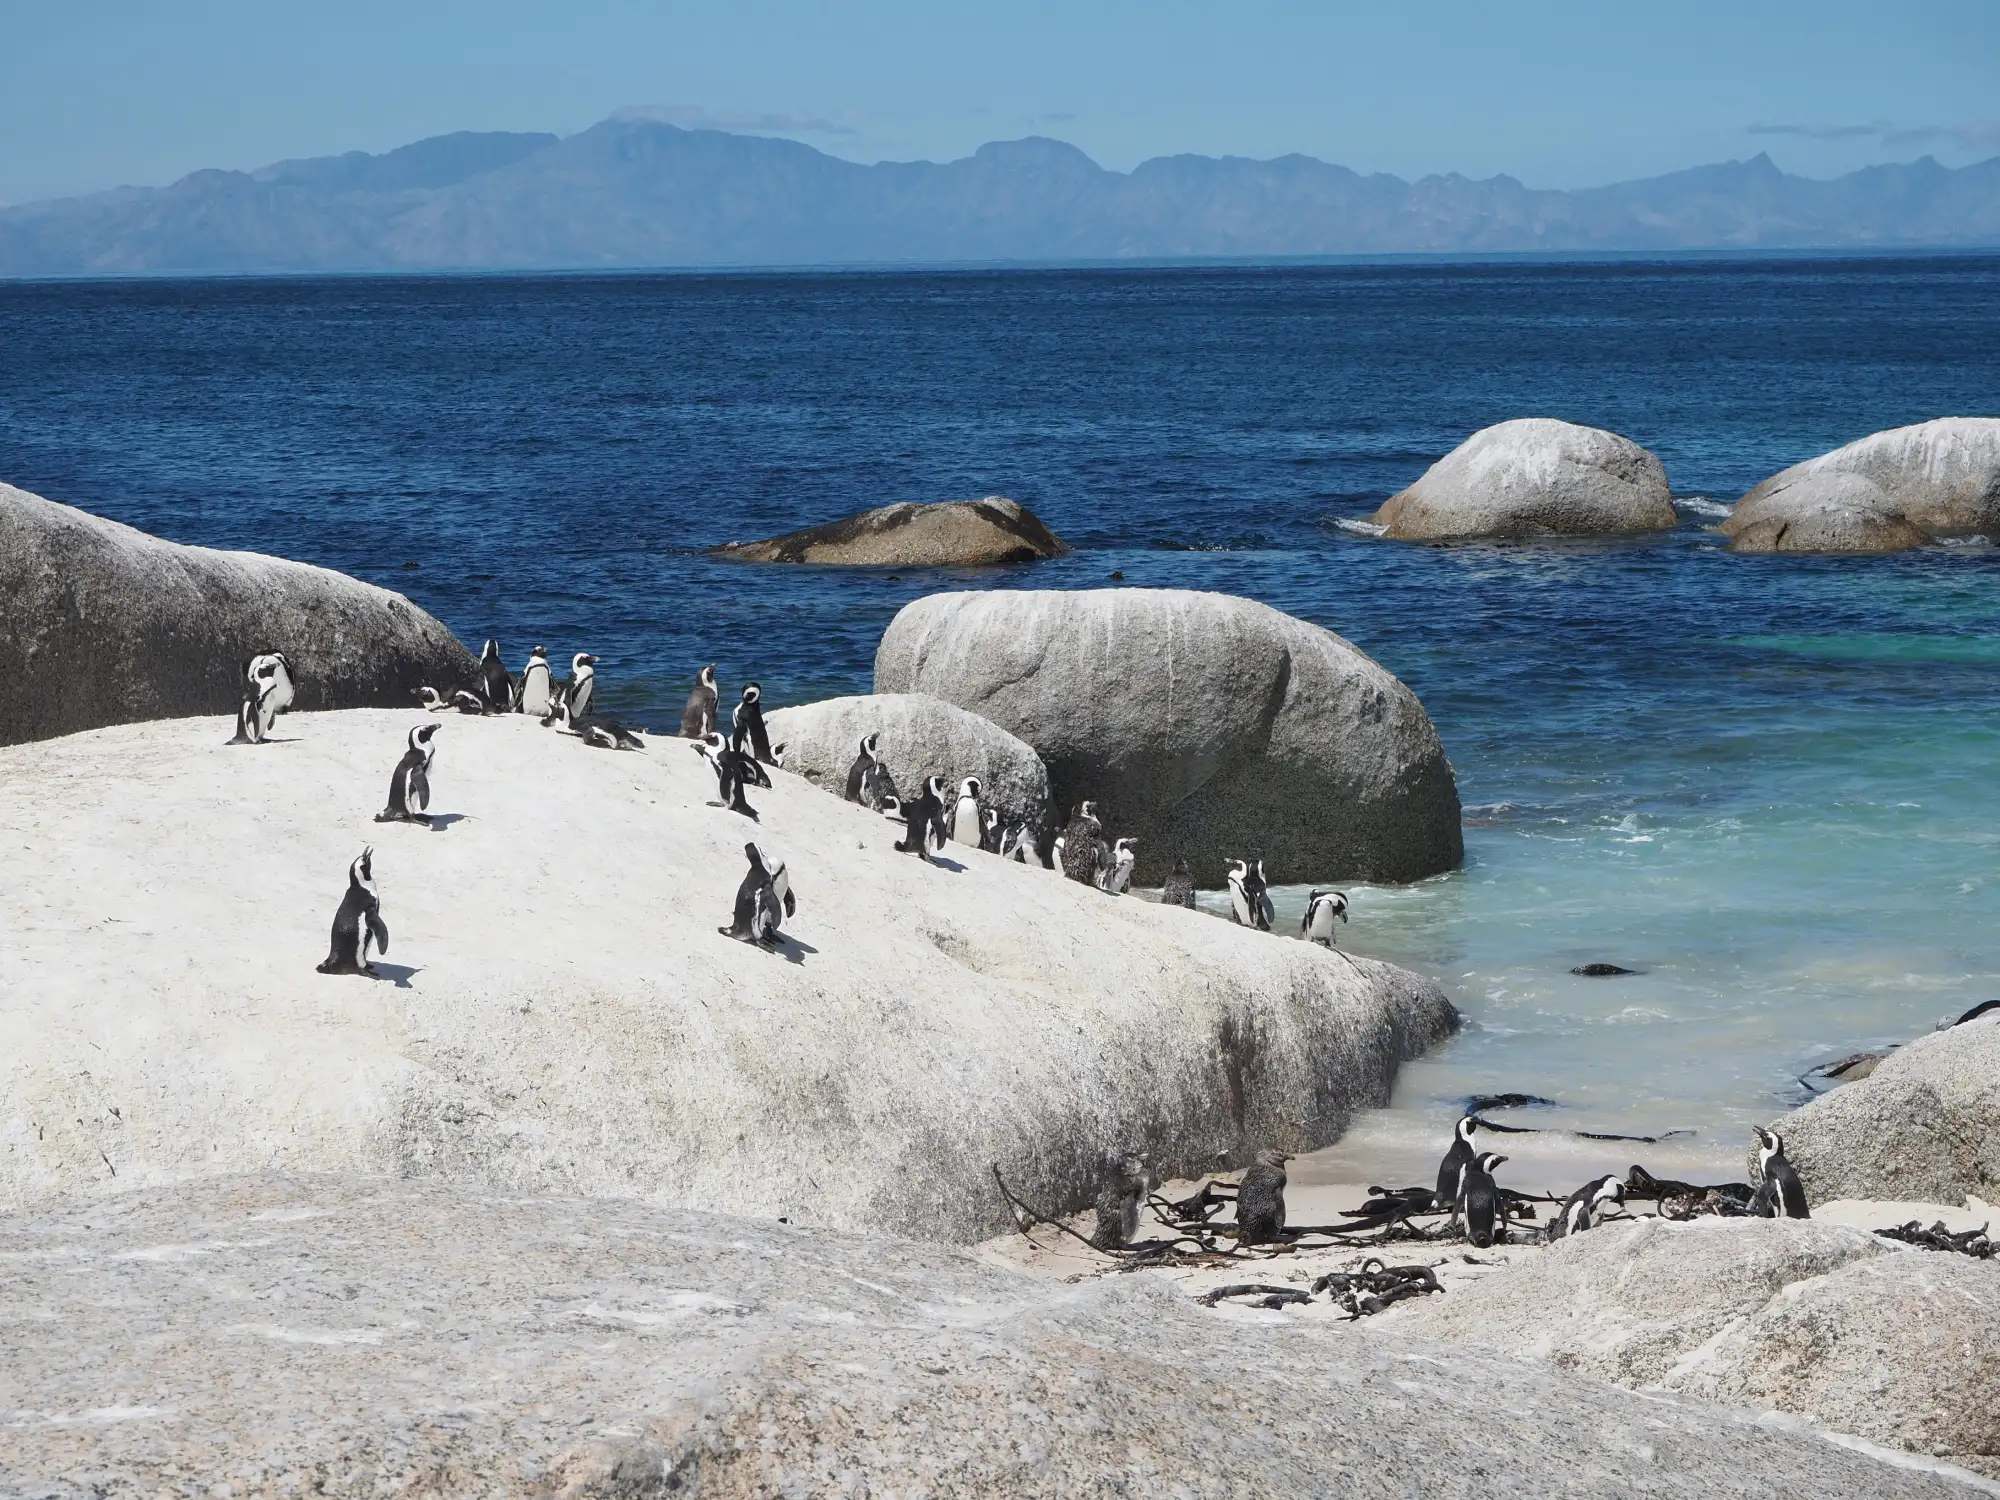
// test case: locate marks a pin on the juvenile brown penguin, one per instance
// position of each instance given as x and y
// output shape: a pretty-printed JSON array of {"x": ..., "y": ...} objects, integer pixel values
[
  {"x": 1119, "y": 1200},
  {"x": 1081, "y": 839},
  {"x": 698, "y": 718},
  {"x": 1260, "y": 1199},
  {"x": 1179, "y": 889}
]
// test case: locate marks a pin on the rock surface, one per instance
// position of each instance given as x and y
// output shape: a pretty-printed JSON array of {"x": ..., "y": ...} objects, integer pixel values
[
  {"x": 1883, "y": 493},
  {"x": 102, "y": 624},
  {"x": 351, "y": 1337},
  {"x": 1925, "y": 1124},
  {"x": 919, "y": 736},
  {"x": 566, "y": 1016},
  {"x": 1825, "y": 1322},
  {"x": 954, "y": 533},
  {"x": 1199, "y": 723},
  {"x": 1534, "y": 477}
]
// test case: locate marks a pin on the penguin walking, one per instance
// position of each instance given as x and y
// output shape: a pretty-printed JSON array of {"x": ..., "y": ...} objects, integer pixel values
[
  {"x": 923, "y": 821},
  {"x": 968, "y": 823},
  {"x": 582, "y": 684},
  {"x": 1119, "y": 1199},
  {"x": 1260, "y": 1199},
  {"x": 1582, "y": 1208},
  {"x": 1323, "y": 909},
  {"x": 267, "y": 692},
  {"x": 1117, "y": 875},
  {"x": 857, "y": 774},
  {"x": 698, "y": 718},
  {"x": 732, "y": 770},
  {"x": 357, "y": 922},
  {"x": 1249, "y": 897},
  {"x": 1456, "y": 1160},
  {"x": 763, "y": 900},
  {"x": 535, "y": 693},
  {"x": 495, "y": 686},
  {"x": 747, "y": 726},
  {"x": 409, "y": 783},
  {"x": 1781, "y": 1195},
  {"x": 1077, "y": 856},
  {"x": 1179, "y": 889},
  {"x": 1479, "y": 1200}
]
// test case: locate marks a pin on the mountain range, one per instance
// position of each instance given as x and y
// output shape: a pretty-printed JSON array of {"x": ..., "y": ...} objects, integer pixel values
[{"x": 635, "y": 193}]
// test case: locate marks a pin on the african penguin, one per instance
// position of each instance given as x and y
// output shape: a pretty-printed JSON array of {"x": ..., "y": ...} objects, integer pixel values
[
  {"x": 857, "y": 774},
  {"x": 582, "y": 684},
  {"x": 1119, "y": 1199},
  {"x": 1323, "y": 909},
  {"x": 1782, "y": 1195},
  {"x": 731, "y": 771},
  {"x": 409, "y": 783},
  {"x": 989, "y": 829},
  {"x": 967, "y": 824},
  {"x": 428, "y": 697},
  {"x": 763, "y": 900},
  {"x": 878, "y": 788},
  {"x": 1479, "y": 1199},
  {"x": 1117, "y": 876},
  {"x": 1581, "y": 1209},
  {"x": 698, "y": 718},
  {"x": 1454, "y": 1164},
  {"x": 493, "y": 681},
  {"x": 923, "y": 821},
  {"x": 468, "y": 703},
  {"x": 357, "y": 922},
  {"x": 267, "y": 692},
  {"x": 1017, "y": 843},
  {"x": 747, "y": 725},
  {"x": 1078, "y": 846},
  {"x": 1179, "y": 889},
  {"x": 1249, "y": 900},
  {"x": 535, "y": 692},
  {"x": 1260, "y": 1199}
]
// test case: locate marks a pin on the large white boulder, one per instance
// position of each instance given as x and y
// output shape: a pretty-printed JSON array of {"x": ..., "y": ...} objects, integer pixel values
[
  {"x": 565, "y": 1015},
  {"x": 1199, "y": 723},
  {"x": 316, "y": 1336},
  {"x": 1530, "y": 477},
  {"x": 102, "y": 624},
  {"x": 1882, "y": 493}
]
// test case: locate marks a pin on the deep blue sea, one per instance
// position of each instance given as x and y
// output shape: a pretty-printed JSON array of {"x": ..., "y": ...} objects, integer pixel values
[{"x": 1770, "y": 783}]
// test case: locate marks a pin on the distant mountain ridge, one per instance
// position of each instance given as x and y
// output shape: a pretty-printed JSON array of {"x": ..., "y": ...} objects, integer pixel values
[{"x": 635, "y": 193}]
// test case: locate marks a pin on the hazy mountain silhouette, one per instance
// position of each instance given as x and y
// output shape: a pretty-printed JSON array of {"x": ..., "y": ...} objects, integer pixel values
[{"x": 638, "y": 193}]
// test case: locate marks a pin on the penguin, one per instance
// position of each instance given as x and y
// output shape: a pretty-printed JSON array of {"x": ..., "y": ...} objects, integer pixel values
[
  {"x": 357, "y": 922},
  {"x": 409, "y": 783},
  {"x": 878, "y": 788},
  {"x": 1249, "y": 900},
  {"x": 599, "y": 731},
  {"x": 1456, "y": 1160},
  {"x": 1260, "y": 1199},
  {"x": 990, "y": 829},
  {"x": 468, "y": 703},
  {"x": 1479, "y": 1200},
  {"x": 428, "y": 697},
  {"x": 1323, "y": 908},
  {"x": 494, "y": 685},
  {"x": 582, "y": 684},
  {"x": 763, "y": 900},
  {"x": 1782, "y": 1195},
  {"x": 267, "y": 692},
  {"x": 892, "y": 809},
  {"x": 1179, "y": 889},
  {"x": 967, "y": 822},
  {"x": 923, "y": 821},
  {"x": 1117, "y": 876},
  {"x": 730, "y": 773},
  {"x": 1119, "y": 1199},
  {"x": 1581, "y": 1209},
  {"x": 1076, "y": 856},
  {"x": 1017, "y": 843},
  {"x": 857, "y": 774},
  {"x": 535, "y": 692},
  {"x": 747, "y": 725},
  {"x": 698, "y": 718}
]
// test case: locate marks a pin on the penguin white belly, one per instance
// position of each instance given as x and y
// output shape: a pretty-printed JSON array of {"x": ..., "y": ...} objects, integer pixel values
[{"x": 965, "y": 823}]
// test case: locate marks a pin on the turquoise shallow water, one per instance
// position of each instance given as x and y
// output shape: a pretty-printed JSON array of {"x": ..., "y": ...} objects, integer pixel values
[{"x": 1768, "y": 783}]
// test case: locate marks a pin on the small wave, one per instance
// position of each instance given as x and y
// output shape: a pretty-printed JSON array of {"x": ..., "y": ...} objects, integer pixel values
[
  {"x": 1702, "y": 505},
  {"x": 1965, "y": 541},
  {"x": 1358, "y": 526}
]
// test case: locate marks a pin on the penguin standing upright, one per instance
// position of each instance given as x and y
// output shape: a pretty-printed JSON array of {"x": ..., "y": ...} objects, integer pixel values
[
  {"x": 1456, "y": 1160},
  {"x": 967, "y": 822},
  {"x": 1017, "y": 843},
  {"x": 857, "y": 774},
  {"x": 1581, "y": 1208},
  {"x": 1117, "y": 877},
  {"x": 1323, "y": 909},
  {"x": 1077, "y": 856},
  {"x": 496, "y": 688},
  {"x": 698, "y": 718},
  {"x": 1479, "y": 1199},
  {"x": 1179, "y": 889},
  {"x": 1260, "y": 1199},
  {"x": 267, "y": 692},
  {"x": 733, "y": 770},
  {"x": 989, "y": 829},
  {"x": 1119, "y": 1198},
  {"x": 582, "y": 685},
  {"x": 923, "y": 821},
  {"x": 763, "y": 900},
  {"x": 747, "y": 725},
  {"x": 535, "y": 692},
  {"x": 357, "y": 922},
  {"x": 1781, "y": 1195},
  {"x": 409, "y": 783},
  {"x": 1249, "y": 898}
]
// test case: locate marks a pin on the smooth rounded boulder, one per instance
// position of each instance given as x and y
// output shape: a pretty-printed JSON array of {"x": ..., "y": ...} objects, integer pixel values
[
  {"x": 953, "y": 533},
  {"x": 1201, "y": 724},
  {"x": 1887, "y": 492},
  {"x": 918, "y": 736},
  {"x": 102, "y": 624},
  {"x": 1531, "y": 477}
]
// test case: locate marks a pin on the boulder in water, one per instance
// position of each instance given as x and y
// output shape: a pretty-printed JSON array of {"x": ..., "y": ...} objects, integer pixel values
[
  {"x": 1534, "y": 477},
  {"x": 1201, "y": 724},
  {"x": 102, "y": 624},
  {"x": 954, "y": 533}
]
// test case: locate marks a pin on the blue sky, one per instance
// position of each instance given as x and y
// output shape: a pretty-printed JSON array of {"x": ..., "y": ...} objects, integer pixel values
[{"x": 1560, "y": 95}]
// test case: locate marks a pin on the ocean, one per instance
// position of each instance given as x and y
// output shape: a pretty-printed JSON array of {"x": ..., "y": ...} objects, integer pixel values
[{"x": 1766, "y": 783}]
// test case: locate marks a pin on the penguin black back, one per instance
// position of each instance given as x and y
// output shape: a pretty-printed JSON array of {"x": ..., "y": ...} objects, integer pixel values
[
  {"x": 923, "y": 820},
  {"x": 857, "y": 774},
  {"x": 1455, "y": 1162},
  {"x": 1479, "y": 1199},
  {"x": 495, "y": 686},
  {"x": 1782, "y": 1194},
  {"x": 748, "y": 724},
  {"x": 1080, "y": 841},
  {"x": 357, "y": 921},
  {"x": 409, "y": 783}
]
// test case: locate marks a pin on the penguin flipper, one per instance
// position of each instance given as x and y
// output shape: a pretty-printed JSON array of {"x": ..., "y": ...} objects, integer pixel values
[
  {"x": 379, "y": 931},
  {"x": 419, "y": 791}
]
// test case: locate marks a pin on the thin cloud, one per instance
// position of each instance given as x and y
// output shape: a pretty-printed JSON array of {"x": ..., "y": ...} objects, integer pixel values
[
  {"x": 755, "y": 122},
  {"x": 1821, "y": 132},
  {"x": 1979, "y": 136}
]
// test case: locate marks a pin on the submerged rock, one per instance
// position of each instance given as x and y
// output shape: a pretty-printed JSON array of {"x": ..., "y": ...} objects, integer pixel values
[
  {"x": 954, "y": 533},
  {"x": 349, "y": 1335},
  {"x": 1201, "y": 724},
  {"x": 1883, "y": 493},
  {"x": 919, "y": 736},
  {"x": 102, "y": 624},
  {"x": 1534, "y": 477}
]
